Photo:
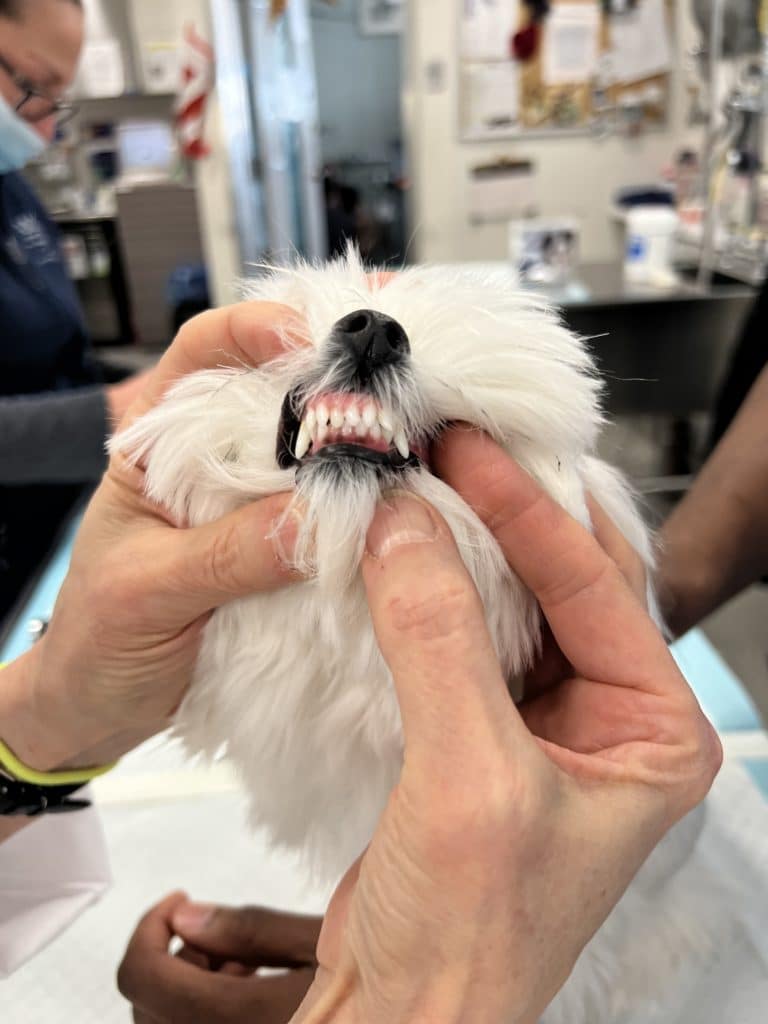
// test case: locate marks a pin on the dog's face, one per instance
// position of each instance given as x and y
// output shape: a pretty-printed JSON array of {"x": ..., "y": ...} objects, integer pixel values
[
  {"x": 396, "y": 358},
  {"x": 386, "y": 361},
  {"x": 293, "y": 682}
]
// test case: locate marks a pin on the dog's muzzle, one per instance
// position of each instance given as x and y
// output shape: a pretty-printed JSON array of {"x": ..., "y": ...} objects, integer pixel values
[{"x": 351, "y": 422}]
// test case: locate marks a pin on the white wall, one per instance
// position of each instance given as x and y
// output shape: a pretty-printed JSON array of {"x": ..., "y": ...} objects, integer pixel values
[
  {"x": 577, "y": 176},
  {"x": 358, "y": 84},
  {"x": 214, "y": 192},
  {"x": 114, "y": 19}
]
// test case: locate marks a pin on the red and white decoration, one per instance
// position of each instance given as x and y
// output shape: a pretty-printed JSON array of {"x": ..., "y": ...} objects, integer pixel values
[{"x": 196, "y": 63}]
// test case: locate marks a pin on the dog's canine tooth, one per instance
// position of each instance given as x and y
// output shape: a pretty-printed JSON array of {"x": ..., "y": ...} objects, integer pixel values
[
  {"x": 337, "y": 419},
  {"x": 401, "y": 443},
  {"x": 311, "y": 420},
  {"x": 303, "y": 442}
]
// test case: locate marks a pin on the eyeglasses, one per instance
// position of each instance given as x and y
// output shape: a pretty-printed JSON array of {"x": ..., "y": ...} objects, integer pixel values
[{"x": 34, "y": 105}]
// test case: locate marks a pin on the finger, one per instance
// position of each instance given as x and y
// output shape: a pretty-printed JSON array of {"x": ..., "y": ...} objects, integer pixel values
[
  {"x": 235, "y": 970},
  {"x": 182, "y": 997},
  {"x": 248, "y": 333},
  {"x": 139, "y": 1017},
  {"x": 431, "y": 629},
  {"x": 194, "y": 957},
  {"x": 167, "y": 988},
  {"x": 617, "y": 547},
  {"x": 248, "y": 551},
  {"x": 595, "y": 618},
  {"x": 147, "y": 955},
  {"x": 249, "y": 935}
]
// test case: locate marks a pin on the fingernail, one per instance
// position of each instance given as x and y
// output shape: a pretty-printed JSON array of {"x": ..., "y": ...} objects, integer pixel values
[
  {"x": 193, "y": 918},
  {"x": 400, "y": 519},
  {"x": 285, "y": 534}
]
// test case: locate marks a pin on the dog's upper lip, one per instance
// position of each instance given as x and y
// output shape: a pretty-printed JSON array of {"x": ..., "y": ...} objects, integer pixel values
[{"x": 339, "y": 424}]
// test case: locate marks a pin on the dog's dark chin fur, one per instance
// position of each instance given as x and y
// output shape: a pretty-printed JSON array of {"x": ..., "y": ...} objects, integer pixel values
[{"x": 341, "y": 465}]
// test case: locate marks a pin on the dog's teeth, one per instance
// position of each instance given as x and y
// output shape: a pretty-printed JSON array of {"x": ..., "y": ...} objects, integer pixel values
[
  {"x": 337, "y": 419},
  {"x": 353, "y": 416},
  {"x": 375, "y": 432},
  {"x": 386, "y": 421},
  {"x": 322, "y": 414},
  {"x": 303, "y": 442},
  {"x": 311, "y": 420},
  {"x": 369, "y": 415},
  {"x": 387, "y": 435},
  {"x": 401, "y": 443},
  {"x": 360, "y": 429}
]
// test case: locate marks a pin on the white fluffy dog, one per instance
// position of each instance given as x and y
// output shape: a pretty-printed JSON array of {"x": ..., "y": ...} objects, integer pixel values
[{"x": 292, "y": 684}]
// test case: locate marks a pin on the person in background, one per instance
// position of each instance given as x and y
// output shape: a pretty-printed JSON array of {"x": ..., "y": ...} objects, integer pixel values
[
  {"x": 54, "y": 413},
  {"x": 715, "y": 542}
]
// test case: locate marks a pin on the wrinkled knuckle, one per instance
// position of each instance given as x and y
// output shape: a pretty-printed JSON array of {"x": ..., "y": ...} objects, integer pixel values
[
  {"x": 566, "y": 586},
  {"x": 224, "y": 560},
  {"x": 434, "y": 616},
  {"x": 702, "y": 758},
  {"x": 505, "y": 507},
  {"x": 707, "y": 760}
]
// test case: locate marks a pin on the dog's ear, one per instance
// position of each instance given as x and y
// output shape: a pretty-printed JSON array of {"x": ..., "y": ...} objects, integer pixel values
[{"x": 209, "y": 446}]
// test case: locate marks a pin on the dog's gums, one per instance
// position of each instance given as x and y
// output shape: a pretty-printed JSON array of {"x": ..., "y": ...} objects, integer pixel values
[{"x": 345, "y": 425}]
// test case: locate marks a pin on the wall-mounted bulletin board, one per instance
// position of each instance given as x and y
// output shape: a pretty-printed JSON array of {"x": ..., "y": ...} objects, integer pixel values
[{"x": 558, "y": 66}]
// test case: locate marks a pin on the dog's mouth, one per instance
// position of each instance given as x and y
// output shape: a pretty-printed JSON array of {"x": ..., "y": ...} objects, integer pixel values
[{"x": 345, "y": 426}]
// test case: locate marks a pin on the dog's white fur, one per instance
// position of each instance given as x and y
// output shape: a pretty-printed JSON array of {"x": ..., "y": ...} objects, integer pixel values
[{"x": 292, "y": 684}]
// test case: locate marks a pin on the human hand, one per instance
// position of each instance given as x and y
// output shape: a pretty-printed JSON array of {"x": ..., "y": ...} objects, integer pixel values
[
  {"x": 121, "y": 646},
  {"x": 213, "y": 977},
  {"x": 551, "y": 667},
  {"x": 120, "y": 397},
  {"x": 511, "y": 834}
]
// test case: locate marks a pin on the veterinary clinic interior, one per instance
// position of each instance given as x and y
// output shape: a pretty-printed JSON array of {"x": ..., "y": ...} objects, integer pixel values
[{"x": 584, "y": 180}]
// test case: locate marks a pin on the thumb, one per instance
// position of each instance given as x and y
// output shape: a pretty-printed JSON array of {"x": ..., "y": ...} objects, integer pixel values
[
  {"x": 249, "y": 935},
  {"x": 431, "y": 629},
  {"x": 246, "y": 552}
]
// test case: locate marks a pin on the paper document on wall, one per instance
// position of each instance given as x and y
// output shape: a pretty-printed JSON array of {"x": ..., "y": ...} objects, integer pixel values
[
  {"x": 571, "y": 43},
  {"x": 501, "y": 192},
  {"x": 101, "y": 72},
  {"x": 640, "y": 44},
  {"x": 486, "y": 28},
  {"x": 490, "y": 96}
]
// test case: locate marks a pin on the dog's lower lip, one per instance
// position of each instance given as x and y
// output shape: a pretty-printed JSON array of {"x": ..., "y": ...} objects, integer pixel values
[{"x": 360, "y": 453}]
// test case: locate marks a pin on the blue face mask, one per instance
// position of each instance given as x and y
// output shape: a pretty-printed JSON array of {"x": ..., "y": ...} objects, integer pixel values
[{"x": 19, "y": 142}]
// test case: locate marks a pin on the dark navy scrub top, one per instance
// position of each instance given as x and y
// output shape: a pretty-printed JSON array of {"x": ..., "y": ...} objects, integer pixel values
[{"x": 43, "y": 348}]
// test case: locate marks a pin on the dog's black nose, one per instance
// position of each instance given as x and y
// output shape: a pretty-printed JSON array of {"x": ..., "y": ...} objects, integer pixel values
[{"x": 373, "y": 339}]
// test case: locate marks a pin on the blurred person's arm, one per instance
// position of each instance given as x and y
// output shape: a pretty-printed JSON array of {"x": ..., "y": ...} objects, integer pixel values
[
  {"x": 715, "y": 542},
  {"x": 59, "y": 437}
]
